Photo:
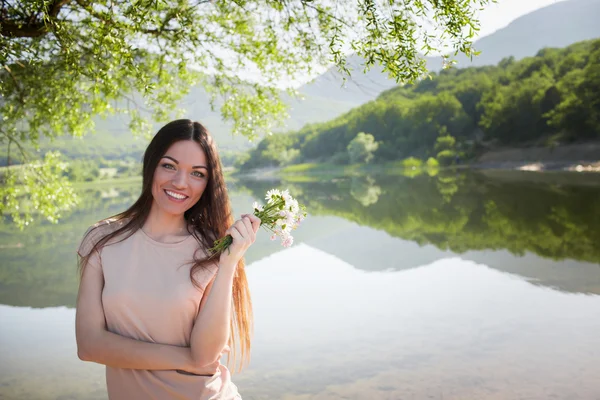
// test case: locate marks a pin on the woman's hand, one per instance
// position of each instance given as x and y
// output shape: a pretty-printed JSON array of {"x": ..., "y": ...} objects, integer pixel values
[
  {"x": 243, "y": 232},
  {"x": 205, "y": 370}
]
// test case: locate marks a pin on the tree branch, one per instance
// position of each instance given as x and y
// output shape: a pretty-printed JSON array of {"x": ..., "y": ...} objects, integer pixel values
[
  {"x": 31, "y": 27},
  {"x": 15, "y": 29},
  {"x": 23, "y": 152},
  {"x": 91, "y": 11},
  {"x": 19, "y": 90},
  {"x": 320, "y": 11},
  {"x": 55, "y": 7}
]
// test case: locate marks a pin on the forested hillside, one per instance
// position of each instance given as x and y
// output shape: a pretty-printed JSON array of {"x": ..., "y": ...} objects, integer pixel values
[{"x": 548, "y": 99}]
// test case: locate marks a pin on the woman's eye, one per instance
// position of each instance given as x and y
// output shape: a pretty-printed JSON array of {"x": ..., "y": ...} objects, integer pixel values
[
  {"x": 168, "y": 166},
  {"x": 198, "y": 174}
]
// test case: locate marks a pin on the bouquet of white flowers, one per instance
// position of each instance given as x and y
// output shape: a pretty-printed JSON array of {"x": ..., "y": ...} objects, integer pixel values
[{"x": 281, "y": 215}]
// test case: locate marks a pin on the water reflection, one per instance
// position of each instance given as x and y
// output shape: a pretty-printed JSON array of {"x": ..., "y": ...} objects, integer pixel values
[
  {"x": 364, "y": 190},
  {"x": 450, "y": 329},
  {"x": 447, "y": 286},
  {"x": 543, "y": 231},
  {"x": 327, "y": 330}
]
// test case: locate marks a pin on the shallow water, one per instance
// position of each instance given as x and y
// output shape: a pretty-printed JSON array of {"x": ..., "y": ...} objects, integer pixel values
[{"x": 445, "y": 287}]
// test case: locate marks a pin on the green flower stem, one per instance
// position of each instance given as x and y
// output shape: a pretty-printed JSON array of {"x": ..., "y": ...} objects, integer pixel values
[{"x": 267, "y": 216}]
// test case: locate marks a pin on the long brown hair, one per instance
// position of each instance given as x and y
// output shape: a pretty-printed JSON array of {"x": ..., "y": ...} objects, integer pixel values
[{"x": 208, "y": 220}]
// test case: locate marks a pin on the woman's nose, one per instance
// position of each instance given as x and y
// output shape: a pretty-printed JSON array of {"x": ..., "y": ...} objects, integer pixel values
[{"x": 180, "y": 180}]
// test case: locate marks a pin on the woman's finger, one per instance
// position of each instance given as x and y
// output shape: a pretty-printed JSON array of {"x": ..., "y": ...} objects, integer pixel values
[
  {"x": 235, "y": 234},
  {"x": 254, "y": 220},
  {"x": 241, "y": 227},
  {"x": 249, "y": 228}
]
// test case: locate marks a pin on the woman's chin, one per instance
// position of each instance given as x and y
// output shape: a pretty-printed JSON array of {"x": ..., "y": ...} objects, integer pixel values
[{"x": 173, "y": 209}]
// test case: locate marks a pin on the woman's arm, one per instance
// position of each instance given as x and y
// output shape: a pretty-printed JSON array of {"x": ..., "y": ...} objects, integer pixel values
[
  {"x": 212, "y": 328},
  {"x": 95, "y": 343}
]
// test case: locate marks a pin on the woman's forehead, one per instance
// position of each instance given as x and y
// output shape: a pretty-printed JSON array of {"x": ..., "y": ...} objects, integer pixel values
[{"x": 186, "y": 152}]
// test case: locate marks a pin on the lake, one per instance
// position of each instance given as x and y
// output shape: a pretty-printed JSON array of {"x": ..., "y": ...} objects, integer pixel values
[{"x": 458, "y": 285}]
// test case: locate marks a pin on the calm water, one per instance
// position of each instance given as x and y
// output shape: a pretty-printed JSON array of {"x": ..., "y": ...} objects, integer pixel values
[{"x": 454, "y": 286}]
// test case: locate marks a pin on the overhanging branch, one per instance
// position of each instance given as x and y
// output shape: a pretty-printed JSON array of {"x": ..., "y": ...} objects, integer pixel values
[
  {"x": 17, "y": 29},
  {"x": 29, "y": 27}
]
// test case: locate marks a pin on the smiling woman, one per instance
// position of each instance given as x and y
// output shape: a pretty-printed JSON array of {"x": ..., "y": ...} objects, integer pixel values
[
  {"x": 178, "y": 183},
  {"x": 152, "y": 307}
]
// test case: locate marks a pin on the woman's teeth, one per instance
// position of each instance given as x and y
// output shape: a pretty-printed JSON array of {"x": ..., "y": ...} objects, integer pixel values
[{"x": 176, "y": 195}]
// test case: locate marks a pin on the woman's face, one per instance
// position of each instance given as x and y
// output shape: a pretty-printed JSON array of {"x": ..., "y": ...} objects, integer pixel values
[{"x": 180, "y": 177}]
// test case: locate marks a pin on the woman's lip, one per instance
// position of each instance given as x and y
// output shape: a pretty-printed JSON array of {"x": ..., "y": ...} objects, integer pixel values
[{"x": 173, "y": 198}]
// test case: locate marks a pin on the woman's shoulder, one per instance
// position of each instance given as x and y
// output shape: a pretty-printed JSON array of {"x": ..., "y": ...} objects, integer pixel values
[{"x": 96, "y": 232}]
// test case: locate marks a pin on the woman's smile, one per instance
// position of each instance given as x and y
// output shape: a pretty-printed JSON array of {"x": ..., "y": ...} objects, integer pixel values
[{"x": 176, "y": 196}]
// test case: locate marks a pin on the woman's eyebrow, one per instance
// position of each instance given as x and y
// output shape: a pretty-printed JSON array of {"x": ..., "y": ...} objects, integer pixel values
[{"x": 177, "y": 162}]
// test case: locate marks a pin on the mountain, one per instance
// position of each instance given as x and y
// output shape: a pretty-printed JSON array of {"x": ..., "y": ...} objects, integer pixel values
[
  {"x": 302, "y": 110},
  {"x": 359, "y": 88},
  {"x": 557, "y": 25}
]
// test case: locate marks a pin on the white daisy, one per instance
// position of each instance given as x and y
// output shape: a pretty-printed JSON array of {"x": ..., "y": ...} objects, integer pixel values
[
  {"x": 286, "y": 196},
  {"x": 293, "y": 206},
  {"x": 257, "y": 206},
  {"x": 271, "y": 193}
]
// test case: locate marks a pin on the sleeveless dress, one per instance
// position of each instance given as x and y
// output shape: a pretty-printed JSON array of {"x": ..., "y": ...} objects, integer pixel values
[{"x": 148, "y": 296}]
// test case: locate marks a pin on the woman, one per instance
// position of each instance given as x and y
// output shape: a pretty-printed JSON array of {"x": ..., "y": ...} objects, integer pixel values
[{"x": 152, "y": 306}]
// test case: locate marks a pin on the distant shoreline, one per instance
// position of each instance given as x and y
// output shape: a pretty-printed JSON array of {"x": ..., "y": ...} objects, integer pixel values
[
  {"x": 276, "y": 173},
  {"x": 538, "y": 166},
  {"x": 579, "y": 157}
]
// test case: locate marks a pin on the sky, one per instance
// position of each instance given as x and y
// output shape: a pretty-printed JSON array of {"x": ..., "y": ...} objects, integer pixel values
[{"x": 497, "y": 16}]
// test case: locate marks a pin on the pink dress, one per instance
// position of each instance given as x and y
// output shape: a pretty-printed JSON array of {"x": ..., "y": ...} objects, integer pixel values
[{"x": 148, "y": 296}]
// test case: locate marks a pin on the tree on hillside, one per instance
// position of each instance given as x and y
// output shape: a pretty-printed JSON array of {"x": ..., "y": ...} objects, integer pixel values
[
  {"x": 513, "y": 113},
  {"x": 578, "y": 114},
  {"x": 445, "y": 149},
  {"x": 64, "y": 61},
  {"x": 362, "y": 147},
  {"x": 444, "y": 142}
]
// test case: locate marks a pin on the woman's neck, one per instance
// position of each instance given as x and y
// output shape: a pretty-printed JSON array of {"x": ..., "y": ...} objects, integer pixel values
[{"x": 162, "y": 226}]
